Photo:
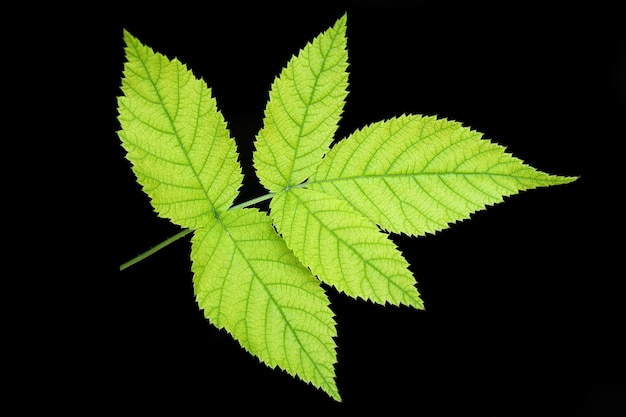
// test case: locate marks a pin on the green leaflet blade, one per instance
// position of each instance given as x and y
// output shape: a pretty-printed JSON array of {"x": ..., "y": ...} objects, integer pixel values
[
  {"x": 249, "y": 283},
  {"x": 303, "y": 111},
  {"x": 175, "y": 138},
  {"x": 343, "y": 248},
  {"x": 416, "y": 174}
]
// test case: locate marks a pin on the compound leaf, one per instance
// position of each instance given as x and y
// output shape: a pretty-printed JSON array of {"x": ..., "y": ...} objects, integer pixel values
[
  {"x": 417, "y": 174},
  {"x": 175, "y": 138},
  {"x": 343, "y": 248},
  {"x": 303, "y": 111},
  {"x": 411, "y": 174},
  {"x": 249, "y": 283}
]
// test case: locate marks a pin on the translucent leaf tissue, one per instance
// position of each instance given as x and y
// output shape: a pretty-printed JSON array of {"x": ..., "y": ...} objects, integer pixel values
[{"x": 258, "y": 275}]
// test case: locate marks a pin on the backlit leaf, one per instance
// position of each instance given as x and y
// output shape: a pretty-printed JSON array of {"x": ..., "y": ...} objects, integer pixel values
[
  {"x": 175, "y": 138},
  {"x": 332, "y": 208},
  {"x": 248, "y": 282},
  {"x": 416, "y": 174},
  {"x": 343, "y": 248},
  {"x": 303, "y": 111}
]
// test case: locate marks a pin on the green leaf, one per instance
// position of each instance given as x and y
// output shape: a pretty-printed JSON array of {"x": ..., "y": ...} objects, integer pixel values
[
  {"x": 303, "y": 111},
  {"x": 412, "y": 174},
  {"x": 175, "y": 138},
  {"x": 343, "y": 248},
  {"x": 415, "y": 174},
  {"x": 248, "y": 282}
]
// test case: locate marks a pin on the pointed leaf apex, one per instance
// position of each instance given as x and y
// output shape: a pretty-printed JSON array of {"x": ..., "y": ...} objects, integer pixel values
[
  {"x": 418, "y": 174},
  {"x": 175, "y": 137},
  {"x": 342, "y": 21},
  {"x": 303, "y": 112}
]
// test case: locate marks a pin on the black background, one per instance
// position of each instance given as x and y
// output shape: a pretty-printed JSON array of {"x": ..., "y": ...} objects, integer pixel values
[{"x": 524, "y": 315}]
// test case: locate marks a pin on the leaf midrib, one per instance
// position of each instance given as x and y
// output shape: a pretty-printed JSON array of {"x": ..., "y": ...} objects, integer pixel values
[
  {"x": 348, "y": 245},
  {"x": 413, "y": 175},
  {"x": 242, "y": 254},
  {"x": 171, "y": 121},
  {"x": 308, "y": 104}
]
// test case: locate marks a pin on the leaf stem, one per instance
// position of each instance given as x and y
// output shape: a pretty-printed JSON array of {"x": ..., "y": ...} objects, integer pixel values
[
  {"x": 152, "y": 250},
  {"x": 185, "y": 232},
  {"x": 253, "y": 201}
]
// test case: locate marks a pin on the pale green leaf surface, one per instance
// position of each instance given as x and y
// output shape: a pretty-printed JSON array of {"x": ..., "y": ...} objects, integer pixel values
[
  {"x": 343, "y": 248},
  {"x": 175, "y": 138},
  {"x": 249, "y": 283},
  {"x": 416, "y": 174},
  {"x": 303, "y": 111}
]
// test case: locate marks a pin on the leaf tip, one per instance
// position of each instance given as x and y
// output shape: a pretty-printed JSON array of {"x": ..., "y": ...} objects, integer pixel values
[
  {"x": 343, "y": 19},
  {"x": 569, "y": 179},
  {"x": 127, "y": 36}
]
